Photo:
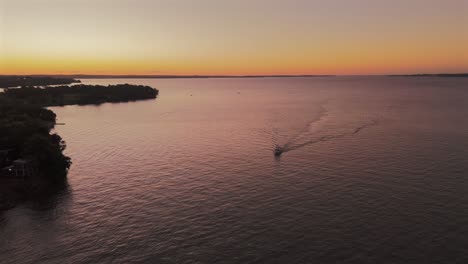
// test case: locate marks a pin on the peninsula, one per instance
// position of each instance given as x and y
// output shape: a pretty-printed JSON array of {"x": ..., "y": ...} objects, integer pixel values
[
  {"x": 32, "y": 161},
  {"x": 80, "y": 94},
  {"x": 7, "y": 81}
]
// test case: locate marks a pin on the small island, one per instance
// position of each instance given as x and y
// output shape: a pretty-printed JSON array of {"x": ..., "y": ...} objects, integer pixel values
[{"x": 32, "y": 161}]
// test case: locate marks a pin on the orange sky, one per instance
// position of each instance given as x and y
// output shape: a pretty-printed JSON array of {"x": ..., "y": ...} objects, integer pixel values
[{"x": 233, "y": 37}]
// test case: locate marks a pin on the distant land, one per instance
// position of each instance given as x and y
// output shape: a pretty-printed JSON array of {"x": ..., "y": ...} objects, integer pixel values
[
  {"x": 449, "y": 75},
  {"x": 86, "y": 76},
  {"x": 61, "y": 95},
  {"x": 7, "y": 81},
  {"x": 74, "y": 78}
]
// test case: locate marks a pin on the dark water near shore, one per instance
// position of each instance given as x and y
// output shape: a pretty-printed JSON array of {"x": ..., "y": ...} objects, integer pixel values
[{"x": 375, "y": 171}]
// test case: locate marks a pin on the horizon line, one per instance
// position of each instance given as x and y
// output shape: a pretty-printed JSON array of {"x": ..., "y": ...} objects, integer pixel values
[{"x": 175, "y": 76}]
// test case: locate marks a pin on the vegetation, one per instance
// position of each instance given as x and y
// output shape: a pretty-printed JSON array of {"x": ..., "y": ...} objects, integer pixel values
[
  {"x": 17, "y": 81},
  {"x": 25, "y": 132},
  {"x": 25, "y": 129},
  {"x": 81, "y": 94}
]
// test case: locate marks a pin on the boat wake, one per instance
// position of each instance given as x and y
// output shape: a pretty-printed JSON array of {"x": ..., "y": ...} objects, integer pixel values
[
  {"x": 305, "y": 135},
  {"x": 309, "y": 127},
  {"x": 293, "y": 145},
  {"x": 319, "y": 129},
  {"x": 301, "y": 135}
]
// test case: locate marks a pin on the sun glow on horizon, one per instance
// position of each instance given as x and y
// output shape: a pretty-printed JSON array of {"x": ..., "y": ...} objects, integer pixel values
[{"x": 232, "y": 38}]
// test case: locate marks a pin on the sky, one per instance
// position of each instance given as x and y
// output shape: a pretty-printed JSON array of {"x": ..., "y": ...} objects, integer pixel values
[{"x": 233, "y": 37}]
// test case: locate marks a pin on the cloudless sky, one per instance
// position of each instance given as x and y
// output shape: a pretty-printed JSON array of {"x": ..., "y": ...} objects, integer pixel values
[{"x": 233, "y": 37}]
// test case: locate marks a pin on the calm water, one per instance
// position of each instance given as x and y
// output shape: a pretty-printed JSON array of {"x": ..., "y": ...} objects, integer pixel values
[{"x": 375, "y": 171}]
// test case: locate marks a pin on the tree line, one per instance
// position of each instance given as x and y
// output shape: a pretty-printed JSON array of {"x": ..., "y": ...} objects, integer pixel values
[{"x": 80, "y": 94}]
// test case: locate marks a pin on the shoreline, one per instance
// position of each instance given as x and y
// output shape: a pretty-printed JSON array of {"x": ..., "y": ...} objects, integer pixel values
[{"x": 33, "y": 162}]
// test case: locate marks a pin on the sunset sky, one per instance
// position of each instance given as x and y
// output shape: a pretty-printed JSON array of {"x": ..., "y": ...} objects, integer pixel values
[{"x": 233, "y": 37}]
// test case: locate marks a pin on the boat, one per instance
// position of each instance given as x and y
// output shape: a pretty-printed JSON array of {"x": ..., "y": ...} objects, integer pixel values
[{"x": 278, "y": 151}]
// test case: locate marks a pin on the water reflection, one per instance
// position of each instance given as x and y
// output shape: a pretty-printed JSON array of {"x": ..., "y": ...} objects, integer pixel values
[
  {"x": 47, "y": 206},
  {"x": 57, "y": 200}
]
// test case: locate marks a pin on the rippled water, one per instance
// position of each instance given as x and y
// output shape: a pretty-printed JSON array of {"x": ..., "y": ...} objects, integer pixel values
[{"x": 375, "y": 171}]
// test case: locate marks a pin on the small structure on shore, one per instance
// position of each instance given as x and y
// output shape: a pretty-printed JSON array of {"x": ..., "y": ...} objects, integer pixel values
[{"x": 20, "y": 169}]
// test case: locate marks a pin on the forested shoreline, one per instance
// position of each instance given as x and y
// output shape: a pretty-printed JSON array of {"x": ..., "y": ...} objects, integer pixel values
[
  {"x": 27, "y": 141},
  {"x": 80, "y": 94},
  {"x": 18, "y": 81}
]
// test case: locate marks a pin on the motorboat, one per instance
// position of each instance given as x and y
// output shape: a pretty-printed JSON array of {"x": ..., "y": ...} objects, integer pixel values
[{"x": 278, "y": 151}]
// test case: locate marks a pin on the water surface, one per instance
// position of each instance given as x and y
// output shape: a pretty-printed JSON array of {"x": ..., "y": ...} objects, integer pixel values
[{"x": 375, "y": 171}]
